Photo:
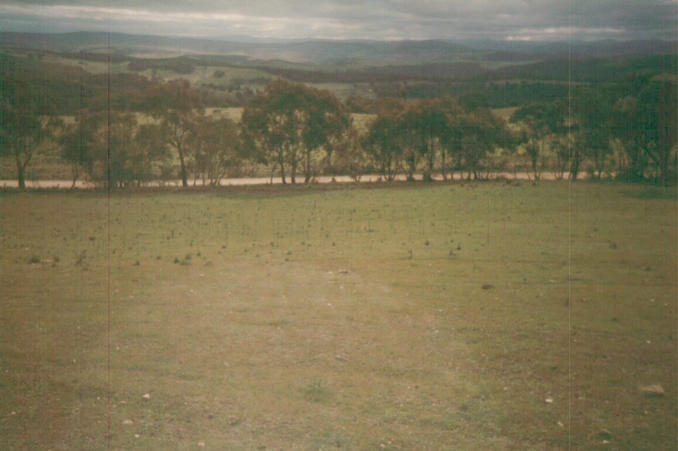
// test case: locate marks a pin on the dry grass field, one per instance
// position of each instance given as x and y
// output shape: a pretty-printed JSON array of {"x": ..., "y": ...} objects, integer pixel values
[{"x": 413, "y": 316}]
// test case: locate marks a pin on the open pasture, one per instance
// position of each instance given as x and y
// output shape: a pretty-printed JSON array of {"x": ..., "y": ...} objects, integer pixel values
[{"x": 462, "y": 316}]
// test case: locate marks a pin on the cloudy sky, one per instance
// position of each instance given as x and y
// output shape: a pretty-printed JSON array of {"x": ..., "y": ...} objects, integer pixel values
[{"x": 353, "y": 19}]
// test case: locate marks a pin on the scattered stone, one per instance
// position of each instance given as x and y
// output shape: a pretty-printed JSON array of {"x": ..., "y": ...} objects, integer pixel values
[
  {"x": 560, "y": 423},
  {"x": 147, "y": 396},
  {"x": 201, "y": 444},
  {"x": 653, "y": 390},
  {"x": 127, "y": 422},
  {"x": 548, "y": 400},
  {"x": 487, "y": 286}
]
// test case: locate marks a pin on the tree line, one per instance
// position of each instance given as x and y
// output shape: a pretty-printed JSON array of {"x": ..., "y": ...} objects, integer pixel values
[{"x": 294, "y": 130}]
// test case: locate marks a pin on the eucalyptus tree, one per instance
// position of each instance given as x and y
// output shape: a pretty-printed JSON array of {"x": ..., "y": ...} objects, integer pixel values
[
  {"x": 539, "y": 121},
  {"x": 214, "y": 149},
  {"x": 181, "y": 111},
  {"x": 646, "y": 121},
  {"x": 428, "y": 131},
  {"x": 287, "y": 123},
  {"x": 23, "y": 125}
]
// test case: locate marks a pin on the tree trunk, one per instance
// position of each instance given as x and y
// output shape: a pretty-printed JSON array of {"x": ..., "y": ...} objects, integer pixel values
[
  {"x": 281, "y": 162},
  {"x": 307, "y": 167},
  {"x": 75, "y": 173},
  {"x": 534, "y": 168},
  {"x": 431, "y": 159},
  {"x": 20, "y": 170},
  {"x": 328, "y": 163},
  {"x": 184, "y": 174},
  {"x": 21, "y": 176},
  {"x": 293, "y": 169},
  {"x": 443, "y": 169},
  {"x": 411, "y": 161}
]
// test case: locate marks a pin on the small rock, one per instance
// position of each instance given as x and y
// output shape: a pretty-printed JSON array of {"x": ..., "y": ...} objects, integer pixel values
[
  {"x": 136, "y": 436},
  {"x": 147, "y": 396},
  {"x": 560, "y": 423},
  {"x": 653, "y": 391},
  {"x": 201, "y": 444},
  {"x": 548, "y": 400},
  {"x": 127, "y": 422}
]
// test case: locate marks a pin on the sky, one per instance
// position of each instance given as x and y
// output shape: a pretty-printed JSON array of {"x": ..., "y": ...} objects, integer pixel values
[{"x": 521, "y": 20}]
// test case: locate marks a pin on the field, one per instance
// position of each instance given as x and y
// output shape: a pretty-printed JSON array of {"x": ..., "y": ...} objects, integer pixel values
[{"x": 464, "y": 316}]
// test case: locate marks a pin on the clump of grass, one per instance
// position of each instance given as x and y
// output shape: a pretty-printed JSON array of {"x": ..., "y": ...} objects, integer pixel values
[
  {"x": 317, "y": 391},
  {"x": 34, "y": 259},
  {"x": 184, "y": 262},
  {"x": 81, "y": 258}
]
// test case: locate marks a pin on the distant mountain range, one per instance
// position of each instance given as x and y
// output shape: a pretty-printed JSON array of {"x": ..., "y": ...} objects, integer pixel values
[{"x": 349, "y": 54}]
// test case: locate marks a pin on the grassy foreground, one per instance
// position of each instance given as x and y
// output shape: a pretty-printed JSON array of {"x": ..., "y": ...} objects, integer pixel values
[{"x": 477, "y": 316}]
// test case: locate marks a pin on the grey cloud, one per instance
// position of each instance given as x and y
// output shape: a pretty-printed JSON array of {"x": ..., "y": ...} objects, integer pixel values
[{"x": 379, "y": 19}]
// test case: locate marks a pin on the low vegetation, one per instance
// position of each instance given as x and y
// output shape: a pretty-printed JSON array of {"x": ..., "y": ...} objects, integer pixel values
[{"x": 621, "y": 126}]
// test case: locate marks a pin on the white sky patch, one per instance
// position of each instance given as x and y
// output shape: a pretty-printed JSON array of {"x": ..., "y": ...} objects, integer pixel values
[
  {"x": 563, "y": 33},
  {"x": 201, "y": 24},
  {"x": 119, "y": 14}
]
